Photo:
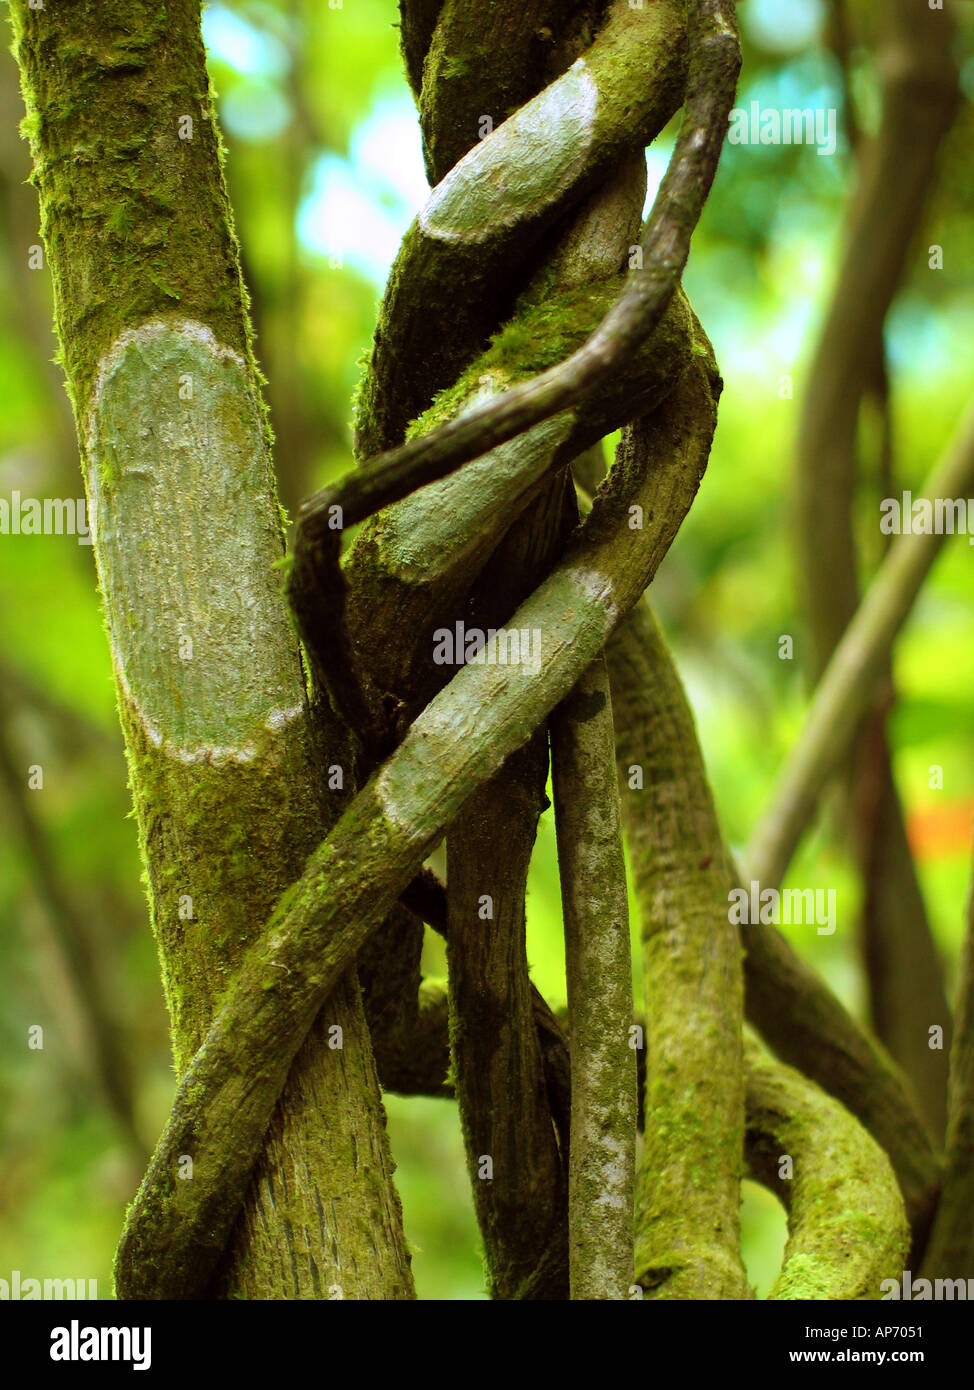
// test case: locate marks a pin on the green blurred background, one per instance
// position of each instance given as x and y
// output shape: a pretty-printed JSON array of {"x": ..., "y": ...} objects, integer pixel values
[{"x": 325, "y": 174}]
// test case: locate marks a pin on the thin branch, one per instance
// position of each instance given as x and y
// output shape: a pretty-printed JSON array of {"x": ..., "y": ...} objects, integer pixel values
[
  {"x": 848, "y": 683},
  {"x": 688, "y": 1186},
  {"x": 522, "y": 1200},
  {"x": 413, "y": 1058},
  {"x": 841, "y": 41},
  {"x": 389, "y": 969},
  {"x": 896, "y": 172},
  {"x": 504, "y": 1106},
  {"x": 108, "y": 1056},
  {"x": 426, "y": 896},
  {"x": 595, "y": 907}
]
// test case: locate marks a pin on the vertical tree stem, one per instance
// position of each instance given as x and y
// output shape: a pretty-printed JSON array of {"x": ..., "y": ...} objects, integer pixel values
[
  {"x": 688, "y": 1188},
  {"x": 224, "y": 763},
  {"x": 847, "y": 683},
  {"x": 793, "y": 1008},
  {"x": 108, "y": 1058},
  {"x": 516, "y": 1171},
  {"x": 595, "y": 906}
]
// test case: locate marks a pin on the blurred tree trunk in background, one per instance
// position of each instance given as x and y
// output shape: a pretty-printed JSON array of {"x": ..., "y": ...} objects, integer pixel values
[{"x": 895, "y": 173}]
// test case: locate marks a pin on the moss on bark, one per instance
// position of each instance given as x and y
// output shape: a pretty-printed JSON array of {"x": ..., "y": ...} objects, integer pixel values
[
  {"x": 225, "y": 770},
  {"x": 688, "y": 1191},
  {"x": 461, "y": 264},
  {"x": 377, "y": 847},
  {"x": 847, "y": 1227}
]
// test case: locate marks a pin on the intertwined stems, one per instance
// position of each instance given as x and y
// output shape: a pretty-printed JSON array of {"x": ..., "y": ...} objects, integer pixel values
[
  {"x": 176, "y": 1232},
  {"x": 307, "y": 942},
  {"x": 508, "y": 198},
  {"x": 712, "y": 83},
  {"x": 411, "y": 569},
  {"x": 507, "y": 1113},
  {"x": 173, "y": 1238},
  {"x": 240, "y": 1069},
  {"x": 418, "y": 559}
]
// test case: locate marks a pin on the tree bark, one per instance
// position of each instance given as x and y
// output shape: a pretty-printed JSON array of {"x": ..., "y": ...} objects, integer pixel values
[
  {"x": 377, "y": 847},
  {"x": 688, "y": 1191},
  {"x": 795, "y": 1011},
  {"x": 595, "y": 906},
  {"x": 835, "y": 1182},
  {"x": 225, "y": 765}
]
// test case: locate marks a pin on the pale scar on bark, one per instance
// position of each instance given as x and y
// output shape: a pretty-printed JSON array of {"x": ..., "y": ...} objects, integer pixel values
[{"x": 174, "y": 417}]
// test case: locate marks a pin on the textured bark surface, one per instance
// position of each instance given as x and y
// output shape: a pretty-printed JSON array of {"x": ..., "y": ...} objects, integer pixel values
[
  {"x": 487, "y": 216},
  {"x": 521, "y": 1199},
  {"x": 486, "y": 61},
  {"x": 377, "y": 847},
  {"x": 227, "y": 754},
  {"x": 474, "y": 545},
  {"x": 795, "y": 1011},
  {"x": 410, "y": 573},
  {"x": 152, "y": 320},
  {"x": 688, "y": 1193},
  {"x": 847, "y": 1230},
  {"x": 505, "y": 1109},
  {"x": 595, "y": 907}
]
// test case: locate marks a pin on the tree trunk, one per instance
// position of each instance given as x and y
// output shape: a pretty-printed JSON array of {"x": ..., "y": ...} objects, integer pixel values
[{"x": 226, "y": 761}]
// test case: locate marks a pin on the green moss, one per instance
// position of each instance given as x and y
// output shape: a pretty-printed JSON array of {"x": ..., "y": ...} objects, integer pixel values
[
  {"x": 104, "y": 96},
  {"x": 846, "y": 1219},
  {"x": 538, "y": 337}
]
